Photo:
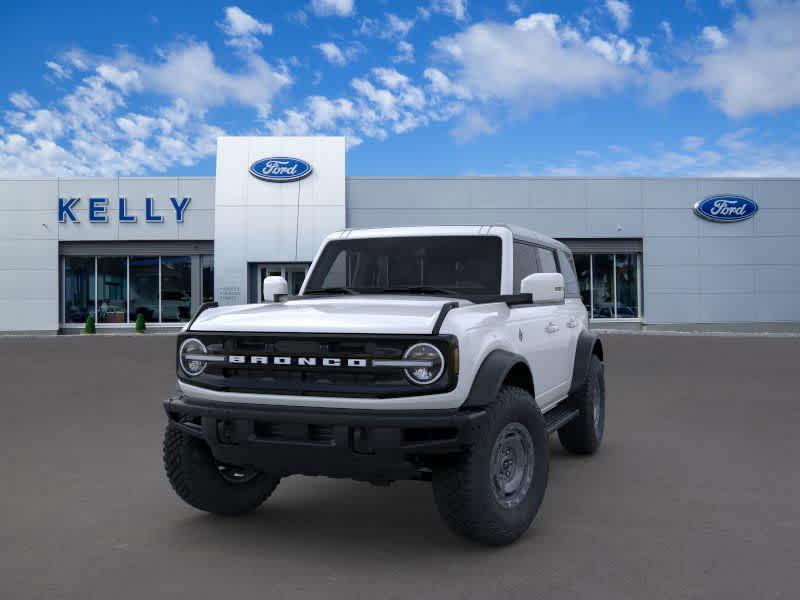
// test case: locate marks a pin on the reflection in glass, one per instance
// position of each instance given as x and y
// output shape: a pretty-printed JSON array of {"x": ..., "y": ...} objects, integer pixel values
[
  {"x": 584, "y": 275},
  {"x": 176, "y": 288},
  {"x": 112, "y": 279},
  {"x": 78, "y": 288},
  {"x": 207, "y": 270},
  {"x": 603, "y": 286},
  {"x": 627, "y": 286},
  {"x": 144, "y": 288}
]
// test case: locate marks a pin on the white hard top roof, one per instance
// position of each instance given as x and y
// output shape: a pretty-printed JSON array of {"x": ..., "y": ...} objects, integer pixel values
[{"x": 518, "y": 233}]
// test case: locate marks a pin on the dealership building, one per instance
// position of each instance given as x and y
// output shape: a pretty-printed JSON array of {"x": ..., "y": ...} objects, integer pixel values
[{"x": 648, "y": 251}]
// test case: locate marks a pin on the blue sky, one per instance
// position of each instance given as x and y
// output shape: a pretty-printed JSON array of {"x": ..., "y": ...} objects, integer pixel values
[{"x": 439, "y": 87}]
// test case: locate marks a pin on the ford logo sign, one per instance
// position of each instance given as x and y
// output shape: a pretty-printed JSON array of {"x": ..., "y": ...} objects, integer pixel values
[
  {"x": 725, "y": 208},
  {"x": 280, "y": 169}
]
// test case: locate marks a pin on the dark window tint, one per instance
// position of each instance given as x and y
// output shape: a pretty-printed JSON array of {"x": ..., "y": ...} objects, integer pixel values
[
  {"x": 568, "y": 271},
  {"x": 468, "y": 264},
  {"x": 547, "y": 260},
  {"x": 525, "y": 262}
]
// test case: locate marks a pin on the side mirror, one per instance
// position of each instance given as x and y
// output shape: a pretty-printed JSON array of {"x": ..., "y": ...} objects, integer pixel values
[
  {"x": 545, "y": 288},
  {"x": 275, "y": 288}
]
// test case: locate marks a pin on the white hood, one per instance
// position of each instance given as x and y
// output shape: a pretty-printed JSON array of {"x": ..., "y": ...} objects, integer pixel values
[{"x": 338, "y": 314}]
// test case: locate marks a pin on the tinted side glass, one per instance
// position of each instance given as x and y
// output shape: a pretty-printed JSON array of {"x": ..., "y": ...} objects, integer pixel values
[
  {"x": 568, "y": 271},
  {"x": 547, "y": 260},
  {"x": 525, "y": 262}
]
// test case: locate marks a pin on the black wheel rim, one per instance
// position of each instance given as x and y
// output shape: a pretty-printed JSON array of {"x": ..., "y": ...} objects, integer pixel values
[
  {"x": 236, "y": 475},
  {"x": 512, "y": 464}
]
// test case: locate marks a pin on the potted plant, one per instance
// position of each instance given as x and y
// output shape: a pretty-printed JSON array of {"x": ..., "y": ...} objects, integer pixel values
[
  {"x": 140, "y": 324},
  {"x": 89, "y": 327}
]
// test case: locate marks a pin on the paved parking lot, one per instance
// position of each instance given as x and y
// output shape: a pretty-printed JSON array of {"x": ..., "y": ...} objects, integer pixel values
[{"x": 695, "y": 494}]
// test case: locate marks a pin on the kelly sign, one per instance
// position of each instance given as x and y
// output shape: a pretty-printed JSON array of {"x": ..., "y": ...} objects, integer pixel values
[{"x": 98, "y": 210}]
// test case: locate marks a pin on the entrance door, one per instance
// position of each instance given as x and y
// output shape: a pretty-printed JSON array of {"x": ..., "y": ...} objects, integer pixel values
[{"x": 293, "y": 273}]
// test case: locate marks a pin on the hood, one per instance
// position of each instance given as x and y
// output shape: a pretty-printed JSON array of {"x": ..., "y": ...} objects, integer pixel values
[{"x": 340, "y": 314}]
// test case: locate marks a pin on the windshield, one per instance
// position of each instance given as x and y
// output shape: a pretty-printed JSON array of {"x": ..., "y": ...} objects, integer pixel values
[{"x": 446, "y": 264}]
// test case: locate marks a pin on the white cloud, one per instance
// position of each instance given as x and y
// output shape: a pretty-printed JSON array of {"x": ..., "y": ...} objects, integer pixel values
[
  {"x": 59, "y": 71},
  {"x": 22, "y": 100},
  {"x": 715, "y": 37},
  {"x": 666, "y": 27},
  {"x": 735, "y": 154},
  {"x": 537, "y": 60},
  {"x": 441, "y": 84},
  {"x": 472, "y": 124},
  {"x": 758, "y": 70},
  {"x": 621, "y": 11},
  {"x": 91, "y": 130},
  {"x": 336, "y": 55},
  {"x": 385, "y": 101},
  {"x": 398, "y": 27},
  {"x": 453, "y": 8},
  {"x": 243, "y": 29},
  {"x": 339, "y": 8},
  {"x": 692, "y": 143},
  {"x": 514, "y": 8},
  {"x": 405, "y": 53}
]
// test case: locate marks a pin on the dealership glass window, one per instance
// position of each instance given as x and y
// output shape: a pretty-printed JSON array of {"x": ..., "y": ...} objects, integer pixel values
[
  {"x": 602, "y": 286},
  {"x": 176, "y": 288},
  {"x": 207, "y": 274},
  {"x": 610, "y": 284},
  {"x": 78, "y": 288},
  {"x": 584, "y": 270},
  {"x": 115, "y": 289},
  {"x": 144, "y": 288},
  {"x": 627, "y": 286},
  {"x": 112, "y": 289}
]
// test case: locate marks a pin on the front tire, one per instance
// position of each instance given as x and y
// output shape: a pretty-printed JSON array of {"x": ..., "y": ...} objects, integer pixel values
[
  {"x": 584, "y": 433},
  {"x": 203, "y": 483},
  {"x": 492, "y": 492}
]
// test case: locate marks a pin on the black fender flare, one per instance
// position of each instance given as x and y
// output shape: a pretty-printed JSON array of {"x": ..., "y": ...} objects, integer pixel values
[
  {"x": 491, "y": 375},
  {"x": 588, "y": 345}
]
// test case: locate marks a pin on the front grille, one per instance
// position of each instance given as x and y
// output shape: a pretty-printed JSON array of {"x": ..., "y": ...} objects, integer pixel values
[{"x": 316, "y": 380}]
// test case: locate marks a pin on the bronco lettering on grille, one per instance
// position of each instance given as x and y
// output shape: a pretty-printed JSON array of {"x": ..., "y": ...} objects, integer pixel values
[{"x": 300, "y": 361}]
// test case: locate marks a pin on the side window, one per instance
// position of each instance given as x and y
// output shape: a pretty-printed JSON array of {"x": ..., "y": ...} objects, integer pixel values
[
  {"x": 547, "y": 260},
  {"x": 524, "y": 263},
  {"x": 570, "y": 277}
]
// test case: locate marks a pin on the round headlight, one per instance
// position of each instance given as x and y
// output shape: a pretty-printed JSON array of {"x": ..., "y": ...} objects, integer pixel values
[
  {"x": 430, "y": 363},
  {"x": 190, "y": 357}
]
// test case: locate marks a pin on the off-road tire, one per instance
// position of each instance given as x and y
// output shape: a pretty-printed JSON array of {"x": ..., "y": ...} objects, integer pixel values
[
  {"x": 196, "y": 478},
  {"x": 463, "y": 487},
  {"x": 583, "y": 434}
]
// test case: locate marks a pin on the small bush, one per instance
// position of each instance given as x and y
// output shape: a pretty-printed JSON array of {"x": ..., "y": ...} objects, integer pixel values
[
  {"x": 89, "y": 327},
  {"x": 140, "y": 325}
]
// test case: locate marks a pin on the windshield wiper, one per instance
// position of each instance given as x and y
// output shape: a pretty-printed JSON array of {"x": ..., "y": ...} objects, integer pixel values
[
  {"x": 331, "y": 290},
  {"x": 419, "y": 289}
]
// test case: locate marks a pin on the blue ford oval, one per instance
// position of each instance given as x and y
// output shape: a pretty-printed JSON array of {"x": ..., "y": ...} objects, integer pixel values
[
  {"x": 280, "y": 169},
  {"x": 725, "y": 208}
]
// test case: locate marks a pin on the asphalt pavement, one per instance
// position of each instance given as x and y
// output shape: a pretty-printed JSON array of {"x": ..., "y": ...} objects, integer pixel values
[{"x": 694, "y": 494}]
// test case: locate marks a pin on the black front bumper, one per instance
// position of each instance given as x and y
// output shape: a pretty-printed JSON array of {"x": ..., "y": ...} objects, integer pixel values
[{"x": 370, "y": 445}]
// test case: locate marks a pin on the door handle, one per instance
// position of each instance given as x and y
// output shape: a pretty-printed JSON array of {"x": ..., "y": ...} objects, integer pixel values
[
  {"x": 551, "y": 327},
  {"x": 573, "y": 322}
]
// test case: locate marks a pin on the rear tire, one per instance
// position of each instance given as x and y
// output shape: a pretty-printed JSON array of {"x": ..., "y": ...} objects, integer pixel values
[
  {"x": 584, "y": 433},
  {"x": 205, "y": 484},
  {"x": 492, "y": 492}
]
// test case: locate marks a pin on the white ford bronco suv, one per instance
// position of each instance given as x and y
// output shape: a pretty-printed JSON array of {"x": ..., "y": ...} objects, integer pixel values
[{"x": 442, "y": 354}]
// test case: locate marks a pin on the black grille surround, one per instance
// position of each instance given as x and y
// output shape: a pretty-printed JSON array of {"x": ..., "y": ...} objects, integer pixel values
[{"x": 304, "y": 380}]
